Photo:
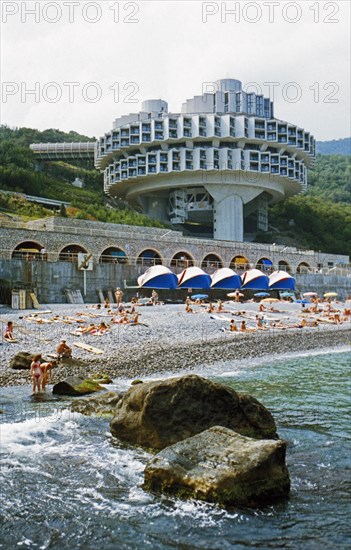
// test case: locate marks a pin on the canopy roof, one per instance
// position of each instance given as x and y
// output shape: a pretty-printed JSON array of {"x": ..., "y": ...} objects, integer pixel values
[
  {"x": 158, "y": 276},
  {"x": 193, "y": 277},
  {"x": 254, "y": 279},
  {"x": 225, "y": 278},
  {"x": 281, "y": 280}
]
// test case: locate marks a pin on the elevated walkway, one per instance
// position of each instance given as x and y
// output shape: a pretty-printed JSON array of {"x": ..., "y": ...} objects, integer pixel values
[{"x": 63, "y": 151}]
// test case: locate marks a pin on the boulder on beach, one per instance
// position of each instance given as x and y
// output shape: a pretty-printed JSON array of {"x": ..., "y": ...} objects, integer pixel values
[
  {"x": 221, "y": 466},
  {"x": 99, "y": 405},
  {"x": 158, "y": 414},
  {"x": 21, "y": 361},
  {"x": 75, "y": 385},
  {"x": 102, "y": 378}
]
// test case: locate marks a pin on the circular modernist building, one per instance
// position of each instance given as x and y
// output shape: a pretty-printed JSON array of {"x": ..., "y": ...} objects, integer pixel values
[{"x": 213, "y": 168}]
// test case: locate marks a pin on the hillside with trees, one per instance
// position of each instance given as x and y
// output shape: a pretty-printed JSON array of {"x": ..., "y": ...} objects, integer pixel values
[{"x": 334, "y": 147}]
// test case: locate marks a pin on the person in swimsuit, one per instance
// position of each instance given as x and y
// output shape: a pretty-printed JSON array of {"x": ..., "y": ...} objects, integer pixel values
[
  {"x": 8, "y": 332},
  {"x": 63, "y": 350},
  {"x": 46, "y": 369},
  {"x": 36, "y": 373}
]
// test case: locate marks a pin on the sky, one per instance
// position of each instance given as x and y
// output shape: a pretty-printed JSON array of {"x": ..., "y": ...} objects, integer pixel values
[{"x": 77, "y": 65}]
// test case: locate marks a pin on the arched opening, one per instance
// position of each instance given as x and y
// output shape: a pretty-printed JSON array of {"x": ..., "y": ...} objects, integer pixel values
[
  {"x": 113, "y": 255},
  {"x": 182, "y": 260},
  {"x": 239, "y": 263},
  {"x": 149, "y": 257},
  {"x": 284, "y": 266},
  {"x": 211, "y": 261},
  {"x": 29, "y": 250},
  {"x": 265, "y": 265},
  {"x": 303, "y": 267},
  {"x": 70, "y": 253}
]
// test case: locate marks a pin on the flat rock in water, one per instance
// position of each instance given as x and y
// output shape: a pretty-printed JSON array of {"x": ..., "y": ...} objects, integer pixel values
[
  {"x": 221, "y": 466},
  {"x": 74, "y": 385},
  {"x": 21, "y": 361},
  {"x": 100, "y": 405},
  {"x": 158, "y": 414}
]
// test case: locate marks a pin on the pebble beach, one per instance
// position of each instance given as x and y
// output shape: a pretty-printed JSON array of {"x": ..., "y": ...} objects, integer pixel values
[{"x": 167, "y": 340}]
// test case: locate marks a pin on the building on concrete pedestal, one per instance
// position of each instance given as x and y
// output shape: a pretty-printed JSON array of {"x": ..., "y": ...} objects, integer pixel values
[{"x": 212, "y": 169}]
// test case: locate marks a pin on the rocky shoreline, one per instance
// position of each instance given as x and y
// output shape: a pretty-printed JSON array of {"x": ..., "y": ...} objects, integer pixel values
[{"x": 159, "y": 358}]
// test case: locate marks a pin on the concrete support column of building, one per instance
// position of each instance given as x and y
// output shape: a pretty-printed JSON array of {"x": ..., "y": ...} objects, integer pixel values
[
  {"x": 262, "y": 213},
  {"x": 228, "y": 219},
  {"x": 228, "y": 210}
]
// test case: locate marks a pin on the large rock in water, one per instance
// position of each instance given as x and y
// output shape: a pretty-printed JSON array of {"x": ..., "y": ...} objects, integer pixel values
[
  {"x": 158, "y": 414},
  {"x": 74, "y": 385},
  {"x": 100, "y": 405},
  {"x": 21, "y": 361},
  {"x": 219, "y": 465}
]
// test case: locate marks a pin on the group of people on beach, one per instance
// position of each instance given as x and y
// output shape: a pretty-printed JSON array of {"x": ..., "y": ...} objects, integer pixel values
[{"x": 41, "y": 371}]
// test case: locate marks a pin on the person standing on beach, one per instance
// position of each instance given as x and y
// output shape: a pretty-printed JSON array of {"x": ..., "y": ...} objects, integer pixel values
[
  {"x": 46, "y": 369},
  {"x": 154, "y": 297},
  {"x": 36, "y": 373},
  {"x": 119, "y": 296},
  {"x": 237, "y": 295}
]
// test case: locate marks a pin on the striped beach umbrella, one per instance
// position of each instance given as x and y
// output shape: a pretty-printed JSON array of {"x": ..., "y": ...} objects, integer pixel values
[
  {"x": 225, "y": 278},
  {"x": 193, "y": 277},
  {"x": 281, "y": 280},
  {"x": 254, "y": 279},
  {"x": 158, "y": 276}
]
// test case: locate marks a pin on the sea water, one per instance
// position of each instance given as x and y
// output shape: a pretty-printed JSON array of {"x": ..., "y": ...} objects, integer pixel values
[{"x": 67, "y": 484}]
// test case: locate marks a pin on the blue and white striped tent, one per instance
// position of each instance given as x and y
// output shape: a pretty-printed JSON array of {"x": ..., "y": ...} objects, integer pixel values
[
  {"x": 226, "y": 279},
  {"x": 158, "y": 276},
  {"x": 194, "y": 277},
  {"x": 281, "y": 280}
]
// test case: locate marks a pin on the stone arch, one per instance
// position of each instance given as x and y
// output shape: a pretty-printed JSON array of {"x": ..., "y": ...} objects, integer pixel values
[
  {"x": 114, "y": 255},
  {"x": 283, "y": 265},
  {"x": 211, "y": 261},
  {"x": 28, "y": 250},
  {"x": 239, "y": 263},
  {"x": 303, "y": 267},
  {"x": 182, "y": 259},
  {"x": 70, "y": 252},
  {"x": 149, "y": 257},
  {"x": 265, "y": 264}
]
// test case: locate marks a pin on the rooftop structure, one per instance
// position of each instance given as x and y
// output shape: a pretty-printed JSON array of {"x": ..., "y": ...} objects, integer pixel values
[{"x": 213, "y": 168}]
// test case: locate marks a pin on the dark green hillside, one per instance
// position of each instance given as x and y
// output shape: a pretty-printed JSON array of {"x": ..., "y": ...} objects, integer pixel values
[{"x": 55, "y": 182}]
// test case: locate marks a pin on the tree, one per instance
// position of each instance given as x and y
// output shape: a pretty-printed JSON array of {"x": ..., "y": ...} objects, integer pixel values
[{"x": 63, "y": 213}]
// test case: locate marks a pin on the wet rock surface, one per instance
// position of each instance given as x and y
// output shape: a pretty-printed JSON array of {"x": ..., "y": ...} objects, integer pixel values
[
  {"x": 158, "y": 414},
  {"x": 74, "y": 385},
  {"x": 100, "y": 405},
  {"x": 219, "y": 465}
]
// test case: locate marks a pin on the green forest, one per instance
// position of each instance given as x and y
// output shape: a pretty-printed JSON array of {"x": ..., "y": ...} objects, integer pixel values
[{"x": 319, "y": 219}]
